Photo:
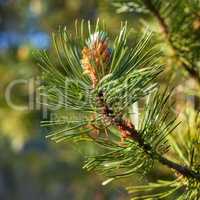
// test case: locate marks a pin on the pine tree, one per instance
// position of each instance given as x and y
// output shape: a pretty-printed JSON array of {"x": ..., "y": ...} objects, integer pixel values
[{"x": 94, "y": 85}]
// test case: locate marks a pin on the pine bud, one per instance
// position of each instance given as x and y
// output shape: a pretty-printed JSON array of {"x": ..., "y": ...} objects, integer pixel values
[{"x": 96, "y": 56}]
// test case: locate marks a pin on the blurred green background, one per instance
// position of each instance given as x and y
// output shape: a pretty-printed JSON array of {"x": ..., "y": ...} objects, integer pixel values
[{"x": 32, "y": 167}]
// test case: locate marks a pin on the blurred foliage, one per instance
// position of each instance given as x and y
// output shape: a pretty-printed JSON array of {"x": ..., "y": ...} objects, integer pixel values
[{"x": 31, "y": 167}]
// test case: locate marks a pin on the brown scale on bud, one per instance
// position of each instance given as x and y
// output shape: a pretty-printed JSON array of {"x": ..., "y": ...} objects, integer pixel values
[
  {"x": 96, "y": 57},
  {"x": 123, "y": 130}
]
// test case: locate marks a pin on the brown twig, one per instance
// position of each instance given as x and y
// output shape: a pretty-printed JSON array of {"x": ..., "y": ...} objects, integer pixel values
[
  {"x": 132, "y": 133},
  {"x": 165, "y": 30},
  {"x": 155, "y": 12}
]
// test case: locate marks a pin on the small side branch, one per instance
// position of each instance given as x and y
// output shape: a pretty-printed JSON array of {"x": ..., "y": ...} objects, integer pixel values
[
  {"x": 132, "y": 133},
  {"x": 165, "y": 30},
  {"x": 155, "y": 12}
]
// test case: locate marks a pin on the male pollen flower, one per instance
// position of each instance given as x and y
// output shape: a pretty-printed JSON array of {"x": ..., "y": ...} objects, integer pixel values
[{"x": 96, "y": 56}]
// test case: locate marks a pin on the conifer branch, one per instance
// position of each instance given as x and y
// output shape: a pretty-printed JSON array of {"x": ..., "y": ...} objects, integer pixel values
[
  {"x": 99, "y": 84},
  {"x": 132, "y": 133},
  {"x": 156, "y": 13},
  {"x": 165, "y": 30}
]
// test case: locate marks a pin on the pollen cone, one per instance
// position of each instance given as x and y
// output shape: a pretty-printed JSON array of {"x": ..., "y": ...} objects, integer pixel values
[{"x": 96, "y": 56}]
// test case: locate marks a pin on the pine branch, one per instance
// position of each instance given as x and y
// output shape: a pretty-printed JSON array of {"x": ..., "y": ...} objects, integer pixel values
[
  {"x": 163, "y": 11},
  {"x": 99, "y": 83},
  {"x": 165, "y": 30},
  {"x": 164, "y": 27},
  {"x": 133, "y": 134}
]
